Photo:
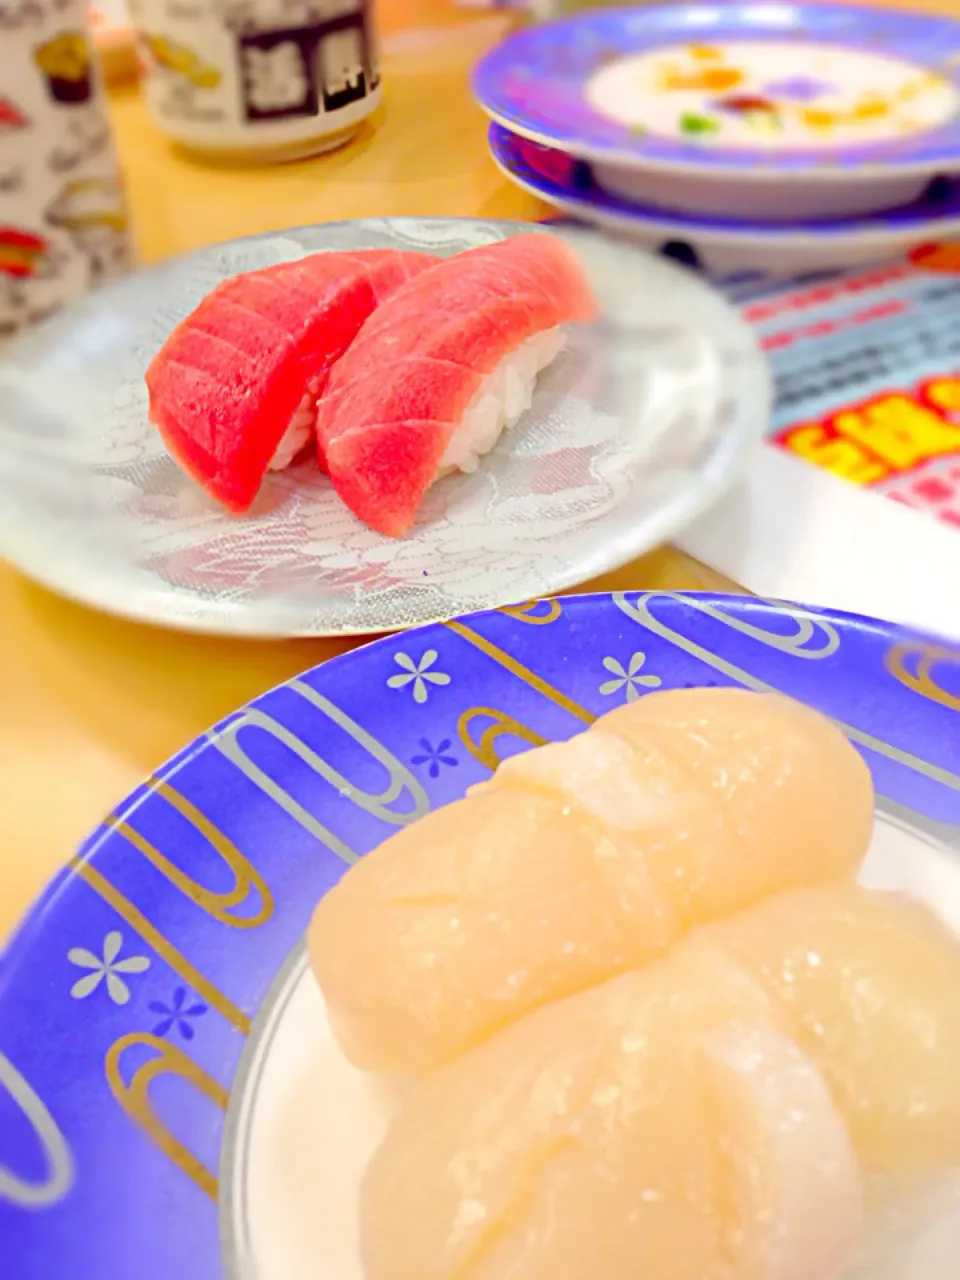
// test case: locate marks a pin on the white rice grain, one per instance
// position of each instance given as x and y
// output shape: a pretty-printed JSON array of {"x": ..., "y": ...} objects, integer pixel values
[
  {"x": 298, "y": 433},
  {"x": 501, "y": 400}
]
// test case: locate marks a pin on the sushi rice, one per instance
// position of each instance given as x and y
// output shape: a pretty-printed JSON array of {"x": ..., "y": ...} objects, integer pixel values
[
  {"x": 298, "y": 434},
  {"x": 501, "y": 400}
]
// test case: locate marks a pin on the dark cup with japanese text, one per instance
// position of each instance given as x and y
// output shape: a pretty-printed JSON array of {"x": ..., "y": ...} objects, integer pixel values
[{"x": 258, "y": 79}]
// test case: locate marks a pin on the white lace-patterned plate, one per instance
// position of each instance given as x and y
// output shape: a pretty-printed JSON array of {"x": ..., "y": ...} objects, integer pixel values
[{"x": 638, "y": 426}]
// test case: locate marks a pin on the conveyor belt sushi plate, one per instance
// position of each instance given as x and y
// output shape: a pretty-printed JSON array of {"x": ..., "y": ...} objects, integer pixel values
[
  {"x": 173, "y": 1100},
  {"x": 645, "y": 416}
]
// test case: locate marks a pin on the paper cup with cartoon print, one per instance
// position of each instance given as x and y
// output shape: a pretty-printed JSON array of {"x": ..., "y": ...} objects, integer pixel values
[
  {"x": 258, "y": 79},
  {"x": 63, "y": 225}
]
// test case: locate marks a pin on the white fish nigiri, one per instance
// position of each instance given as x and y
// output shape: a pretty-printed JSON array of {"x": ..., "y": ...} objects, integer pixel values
[
  {"x": 581, "y": 860},
  {"x": 659, "y": 1125}
]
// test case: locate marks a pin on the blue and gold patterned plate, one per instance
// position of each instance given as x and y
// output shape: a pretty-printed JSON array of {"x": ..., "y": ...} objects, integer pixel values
[
  {"x": 171, "y": 1101},
  {"x": 784, "y": 88}
]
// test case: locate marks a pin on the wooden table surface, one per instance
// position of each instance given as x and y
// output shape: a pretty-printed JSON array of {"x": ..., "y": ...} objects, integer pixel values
[{"x": 90, "y": 704}]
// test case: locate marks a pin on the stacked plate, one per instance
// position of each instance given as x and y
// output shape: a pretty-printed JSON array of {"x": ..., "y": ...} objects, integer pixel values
[{"x": 785, "y": 138}]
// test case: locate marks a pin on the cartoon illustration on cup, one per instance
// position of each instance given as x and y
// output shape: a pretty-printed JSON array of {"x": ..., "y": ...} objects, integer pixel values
[
  {"x": 12, "y": 180},
  {"x": 27, "y": 262},
  {"x": 87, "y": 134},
  {"x": 187, "y": 78},
  {"x": 21, "y": 253},
  {"x": 67, "y": 65},
  {"x": 180, "y": 60},
  {"x": 92, "y": 213},
  {"x": 12, "y": 119}
]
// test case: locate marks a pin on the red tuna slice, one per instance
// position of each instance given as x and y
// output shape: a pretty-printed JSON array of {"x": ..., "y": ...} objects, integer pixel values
[
  {"x": 233, "y": 375},
  {"x": 394, "y": 401},
  {"x": 389, "y": 269},
  {"x": 386, "y": 269},
  {"x": 386, "y": 272}
]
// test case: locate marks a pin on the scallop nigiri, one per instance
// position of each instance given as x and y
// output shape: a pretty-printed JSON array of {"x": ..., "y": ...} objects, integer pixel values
[
  {"x": 735, "y": 794},
  {"x": 579, "y": 861},
  {"x": 233, "y": 389},
  {"x": 709, "y": 1117},
  {"x": 869, "y": 983},
  {"x": 442, "y": 369},
  {"x": 660, "y": 1125}
]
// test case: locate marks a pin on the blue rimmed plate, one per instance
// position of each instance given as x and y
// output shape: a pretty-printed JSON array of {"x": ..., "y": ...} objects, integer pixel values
[
  {"x": 171, "y": 1102},
  {"x": 842, "y": 96},
  {"x": 729, "y": 244}
]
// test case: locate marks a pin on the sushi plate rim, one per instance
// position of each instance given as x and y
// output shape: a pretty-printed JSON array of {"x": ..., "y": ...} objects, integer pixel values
[
  {"x": 172, "y": 609},
  {"x": 113, "y": 930},
  {"x": 759, "y": 167},
  {"x": 604, "y": 207}
]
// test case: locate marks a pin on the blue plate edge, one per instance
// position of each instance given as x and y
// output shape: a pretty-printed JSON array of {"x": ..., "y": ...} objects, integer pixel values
[
  {"x": 89, "y": 846},
  {"x": 677, "y": 156}
]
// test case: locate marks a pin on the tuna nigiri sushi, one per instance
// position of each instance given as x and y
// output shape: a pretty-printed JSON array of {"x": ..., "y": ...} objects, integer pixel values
[
  {"x": 661, "y": 1125},
  {"x": 437, "y": 373},
  {"x": 233, "y": 389},
  {"x": 580, "y": 860}
]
